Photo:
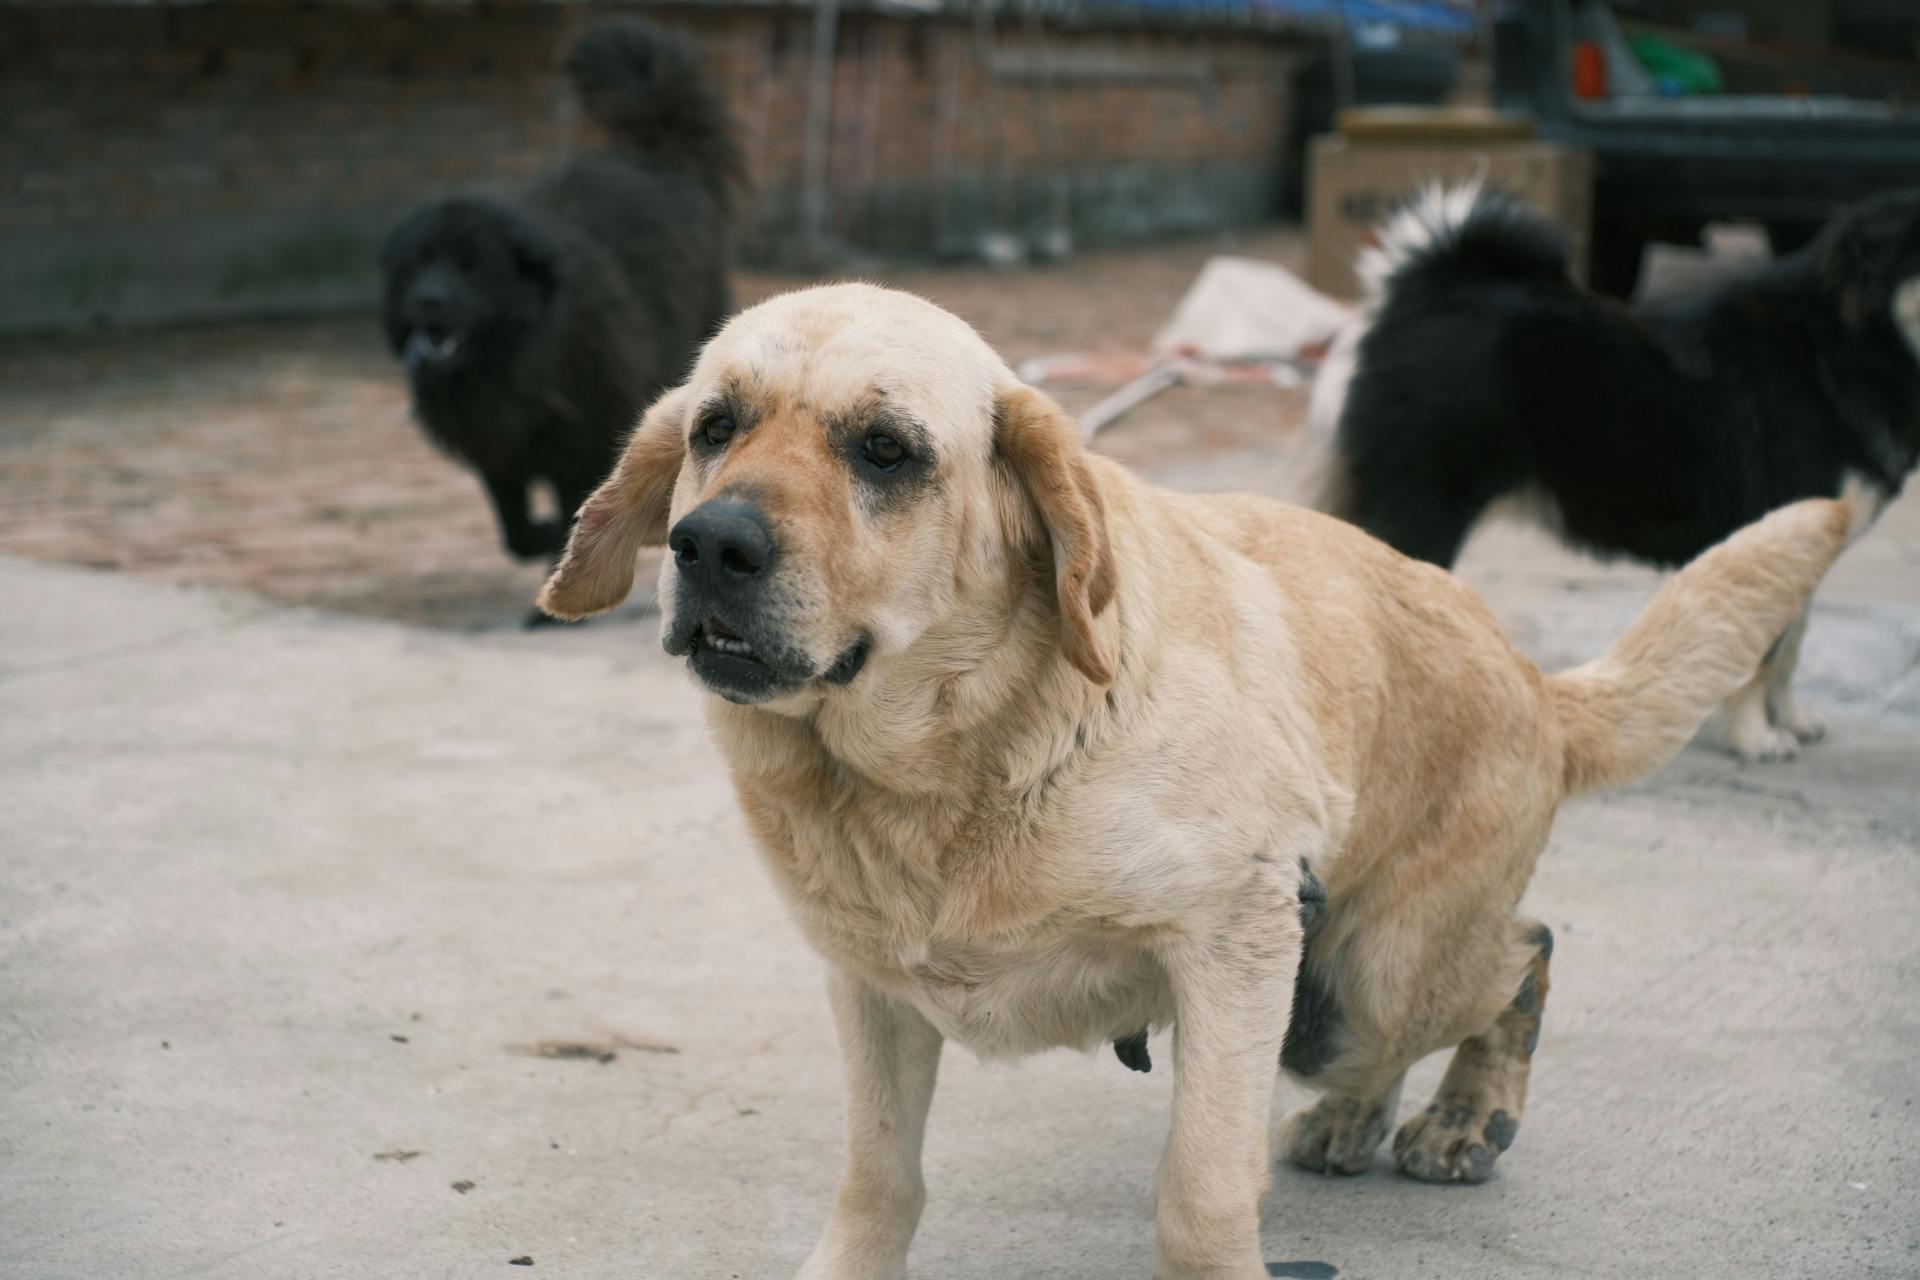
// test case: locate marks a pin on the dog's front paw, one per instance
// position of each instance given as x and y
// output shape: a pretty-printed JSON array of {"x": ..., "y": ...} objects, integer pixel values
[
  {"x": 1807, "y": 727},
  {"x": 1765, "y": 744},
  {"x": 1335, "y": 1134},
  {"x": 826, "y": 1264},
  {"x": 1453, "y": 1143}
]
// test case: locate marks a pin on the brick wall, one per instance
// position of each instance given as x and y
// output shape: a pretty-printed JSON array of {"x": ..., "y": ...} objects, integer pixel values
[{"x": 173, "y": 162}]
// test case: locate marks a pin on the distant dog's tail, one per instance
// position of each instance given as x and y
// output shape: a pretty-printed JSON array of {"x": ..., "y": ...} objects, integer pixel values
[
  {"x": 1424, "y": 275},
  {"x": 645, "y": 88},
  {"x": 1702, "y": 638},
  {"x": 1463, "y": 230}
]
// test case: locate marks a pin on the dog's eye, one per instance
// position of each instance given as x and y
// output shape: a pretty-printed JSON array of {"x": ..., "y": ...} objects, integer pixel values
[
  {"x": 717, "y": 430},
  {"x": 884, "y": 451}
]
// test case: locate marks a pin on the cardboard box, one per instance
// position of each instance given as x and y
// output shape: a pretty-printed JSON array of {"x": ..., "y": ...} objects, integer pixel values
[{"x": 1356, "y": 182}]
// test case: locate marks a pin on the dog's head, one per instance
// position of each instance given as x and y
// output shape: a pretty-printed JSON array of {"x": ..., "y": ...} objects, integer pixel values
[
  {"x": 461, "y": 277},
  {"x": 848, "y": 475},
  {"x": 1870, "y": 254}
]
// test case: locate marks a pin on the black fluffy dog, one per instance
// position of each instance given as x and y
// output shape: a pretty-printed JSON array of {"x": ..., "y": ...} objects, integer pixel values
[
  {"x": 535, "y": 329},
  {"x": 1479, "y": 370}
]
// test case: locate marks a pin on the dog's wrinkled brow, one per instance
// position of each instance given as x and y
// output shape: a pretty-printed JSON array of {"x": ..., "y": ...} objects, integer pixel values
[
  {"x": 748, "y": 402},
  {"x": 876, "y": 412},
  {"x": 735, "y": 398}
]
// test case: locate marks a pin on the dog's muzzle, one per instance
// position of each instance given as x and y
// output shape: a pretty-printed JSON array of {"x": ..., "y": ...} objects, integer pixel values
[
  {"x": 425, "y": 348},
  {"x": 725, "y": 554}
]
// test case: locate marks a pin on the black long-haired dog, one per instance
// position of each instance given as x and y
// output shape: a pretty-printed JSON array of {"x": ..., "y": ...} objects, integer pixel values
[
  {"x": 1478, "y": 370},
  {"x": 534, "y": 329}
]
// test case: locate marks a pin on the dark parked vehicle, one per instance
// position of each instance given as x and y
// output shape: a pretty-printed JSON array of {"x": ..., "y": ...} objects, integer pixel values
[{"x": 1805, "y": 107}]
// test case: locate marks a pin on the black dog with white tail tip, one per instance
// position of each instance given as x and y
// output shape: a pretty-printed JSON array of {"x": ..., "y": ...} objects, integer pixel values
[{"x": 1479, "y": 371}]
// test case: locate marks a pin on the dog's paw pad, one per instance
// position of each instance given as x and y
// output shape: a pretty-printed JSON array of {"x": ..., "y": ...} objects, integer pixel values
[
  {"x": 1453, "y": 1144},
  {"x": 1501, "y": 1130}
]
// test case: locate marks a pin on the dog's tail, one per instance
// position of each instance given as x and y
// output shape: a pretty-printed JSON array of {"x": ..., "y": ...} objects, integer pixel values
[
  {"x": 1463, "y": 231},
  {"x": 1441, "y": 242},
  {"x": 1701, "y": 639},
  {"x": 645, "y": 88}
]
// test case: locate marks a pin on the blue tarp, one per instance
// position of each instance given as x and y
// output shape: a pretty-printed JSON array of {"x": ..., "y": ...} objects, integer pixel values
[{"x": 1451, "y": 17}]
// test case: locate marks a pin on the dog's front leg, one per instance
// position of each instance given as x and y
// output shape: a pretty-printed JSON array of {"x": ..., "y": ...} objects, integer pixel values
[
  {"x": 889, "y": 1055},
  {"x": 520, "y": 533},
  {"x": 1233, "y": 990}
]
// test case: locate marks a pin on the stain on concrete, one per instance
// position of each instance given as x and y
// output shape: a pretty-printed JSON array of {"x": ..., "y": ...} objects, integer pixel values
[{"x": 601, "y": 1051}]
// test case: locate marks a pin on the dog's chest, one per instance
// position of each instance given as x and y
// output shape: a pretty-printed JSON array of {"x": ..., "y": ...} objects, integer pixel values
[
  {"x": 1073, "y": 989},
  {"x": 971, "y": 923}
]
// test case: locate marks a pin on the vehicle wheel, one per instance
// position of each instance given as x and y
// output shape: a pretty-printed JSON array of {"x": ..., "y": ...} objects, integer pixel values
[
  {"x": 1786, "y": 237},
  {"x": 1614, "y": 268}
]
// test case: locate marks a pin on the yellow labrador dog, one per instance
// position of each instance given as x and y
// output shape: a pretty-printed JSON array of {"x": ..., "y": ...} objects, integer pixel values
[{"x": 1042, "y": 755}]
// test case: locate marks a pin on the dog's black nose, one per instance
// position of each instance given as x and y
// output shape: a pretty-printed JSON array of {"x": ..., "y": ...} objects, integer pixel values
[
  {"x": 724, "y": 543},
  {"x": 429, "y": 301}
]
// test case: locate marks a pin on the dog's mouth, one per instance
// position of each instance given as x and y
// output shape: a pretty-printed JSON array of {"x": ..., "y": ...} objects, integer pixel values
[
  {"x": 431, "y": 345},
  {"x": 733, "y": 666},
  {"x": 713, "y": 634},
  {"x": 848, "y": 664},
  {"x": 729, "y": 664}
]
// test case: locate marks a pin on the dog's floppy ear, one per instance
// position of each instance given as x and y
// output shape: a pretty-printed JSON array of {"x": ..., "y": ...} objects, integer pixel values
[
  {"x": 1034, "y": 437},
  {"x": 628, "y": 511}
]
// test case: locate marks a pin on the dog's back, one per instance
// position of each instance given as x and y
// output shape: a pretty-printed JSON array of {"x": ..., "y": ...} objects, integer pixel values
[
  {"x": 643, "y": 87},
  {"x": 1480, "y": 370},
  {"x": 663, "y": 194},
  {"x": 658, "y": 199}
]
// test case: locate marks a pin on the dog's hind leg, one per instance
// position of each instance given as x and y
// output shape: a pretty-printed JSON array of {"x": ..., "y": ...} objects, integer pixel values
[
  {"x": 572, "y": 487},
  {"x": 1476, "y": 1111},
  {"x": 1340, "y": 1133},
  {"x": 571, "y": 493},
  {"x": 1777, "y": 672},
  {"x": 1414, "y": 521},
  {"x": 520, "y": 533},
  {"x": 1764, "y": 723},
  {"x": 1750, "y": 730}
]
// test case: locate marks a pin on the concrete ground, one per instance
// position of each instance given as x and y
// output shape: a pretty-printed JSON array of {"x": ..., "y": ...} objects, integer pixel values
[{"x": 337, "y": 944}]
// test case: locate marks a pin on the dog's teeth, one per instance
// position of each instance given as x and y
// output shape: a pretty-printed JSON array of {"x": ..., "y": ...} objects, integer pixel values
[{"x": 727, "y": 644}]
